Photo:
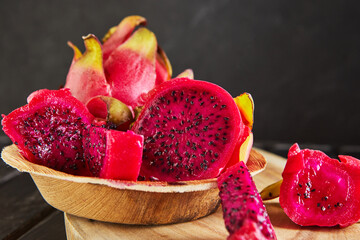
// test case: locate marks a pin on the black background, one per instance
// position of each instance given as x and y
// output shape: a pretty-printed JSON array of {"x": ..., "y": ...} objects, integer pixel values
[{"x": 299, "y": 59}]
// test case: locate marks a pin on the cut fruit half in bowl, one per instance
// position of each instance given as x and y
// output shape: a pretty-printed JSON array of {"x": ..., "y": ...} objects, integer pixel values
[{"x": 141, "y": 202}]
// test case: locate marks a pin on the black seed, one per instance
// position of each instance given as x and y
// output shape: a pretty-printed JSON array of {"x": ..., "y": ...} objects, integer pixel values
[
  {"x": 226, "y": 118},
  {"x": 215, "y": 105},
  {"x": 300, "y": 185},
  {"x": 202, "y": 103},
  {"x": 318, "y": 204},
  {"x": 313, "y": 190},
  {"x": 223, "y": 106}
]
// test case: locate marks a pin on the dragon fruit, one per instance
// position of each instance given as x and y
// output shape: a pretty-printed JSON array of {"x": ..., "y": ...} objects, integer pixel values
[
  {"x": 130, "y": 69},
  {"x": 243, "y": 210},
  {"x": 190, "y": 130},
  {"x": 56, "y": 130},
  {"x": 318, "y": 190},
  {"x": 86, "y": 77},
  {"x": 114, "y": 113},
  {"x": 113, "y": 154},
  {"x": 128, "y": 65}
]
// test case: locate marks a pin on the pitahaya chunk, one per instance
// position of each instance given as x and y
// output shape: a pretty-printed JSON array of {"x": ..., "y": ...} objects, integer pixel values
[
  {"x": 190, "y": 130},
  {"x": 319, "y": 190},
  {"x": 243, "y": 210},
  {"x": 113, "y": 154},
  {"x": 56, "y": 130}
]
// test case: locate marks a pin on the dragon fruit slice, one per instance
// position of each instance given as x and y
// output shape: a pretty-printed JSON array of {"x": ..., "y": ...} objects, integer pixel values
[
  {"x": 56, "y": 130},
  {"x": 318, "y": 190},
  {"x": 86, "y": 78},
  {"x": 49, "y": 130},
  {"x": 190, "y": 129},
  {"x": 113, "y": 154},
  {"x": 243, "y": 210}
]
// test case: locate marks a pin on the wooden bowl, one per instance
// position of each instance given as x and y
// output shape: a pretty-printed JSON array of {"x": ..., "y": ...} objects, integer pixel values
[{"x": 142, "y": 202}]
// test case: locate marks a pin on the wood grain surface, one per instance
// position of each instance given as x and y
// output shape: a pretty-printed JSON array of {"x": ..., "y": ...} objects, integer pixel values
[{"x": 210, "y": 227}]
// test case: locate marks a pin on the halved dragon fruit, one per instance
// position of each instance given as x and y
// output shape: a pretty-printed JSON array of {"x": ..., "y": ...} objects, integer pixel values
[
  {"x": 55, "y": 130},
  {"x": 318, "y": 190},
  {"x": 243, "y": 210},
  {"x": 190, "y": 129}
]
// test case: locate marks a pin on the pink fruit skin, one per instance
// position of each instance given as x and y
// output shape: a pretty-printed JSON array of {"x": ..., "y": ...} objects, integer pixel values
[
  {"x": 123, "y": 155},
  {"x": 235, "y": 156},
  {"x": 129, "y": 76},
  {"x": 318, "y": 190},
  {"x": 97, "y": 107},
  {"x": 86, "y": 78}
]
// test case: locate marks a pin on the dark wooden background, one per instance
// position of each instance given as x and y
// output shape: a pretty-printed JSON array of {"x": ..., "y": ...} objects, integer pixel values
[{"x": 299, "y": 59}]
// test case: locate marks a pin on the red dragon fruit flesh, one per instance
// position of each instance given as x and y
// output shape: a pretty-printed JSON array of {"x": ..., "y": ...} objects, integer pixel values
[
  {"x": 56, "y": 130},
  {"x": 49, "y": 130},
  {"x": 244, "y": 213},
  {"x": 190, "y": 130},
  {"x": 319, "y": 190}
]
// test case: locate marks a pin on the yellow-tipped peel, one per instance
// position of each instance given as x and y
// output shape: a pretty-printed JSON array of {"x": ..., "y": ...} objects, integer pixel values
[{"x": 272, "y": 191}]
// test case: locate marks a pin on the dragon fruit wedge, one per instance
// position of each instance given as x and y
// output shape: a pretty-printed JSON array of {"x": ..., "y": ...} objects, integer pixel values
[
  {"x": 49, "y": 130},
  {"x": 190, "y": 130},
  {"x": 56, "y": 130},
  {"x": 319, "y": 190},
  {"x": 244, "y": 213}
]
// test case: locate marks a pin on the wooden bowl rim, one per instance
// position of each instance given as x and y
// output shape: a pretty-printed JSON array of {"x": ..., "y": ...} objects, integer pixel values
[{"x": 12, "y": 157}]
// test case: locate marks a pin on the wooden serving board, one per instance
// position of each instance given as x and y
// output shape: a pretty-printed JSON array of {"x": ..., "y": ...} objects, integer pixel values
[{"x": 211, "y": 227}]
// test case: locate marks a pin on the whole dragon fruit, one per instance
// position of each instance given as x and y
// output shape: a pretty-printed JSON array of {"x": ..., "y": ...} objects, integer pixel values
[{"x": 128, "y": 65}]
